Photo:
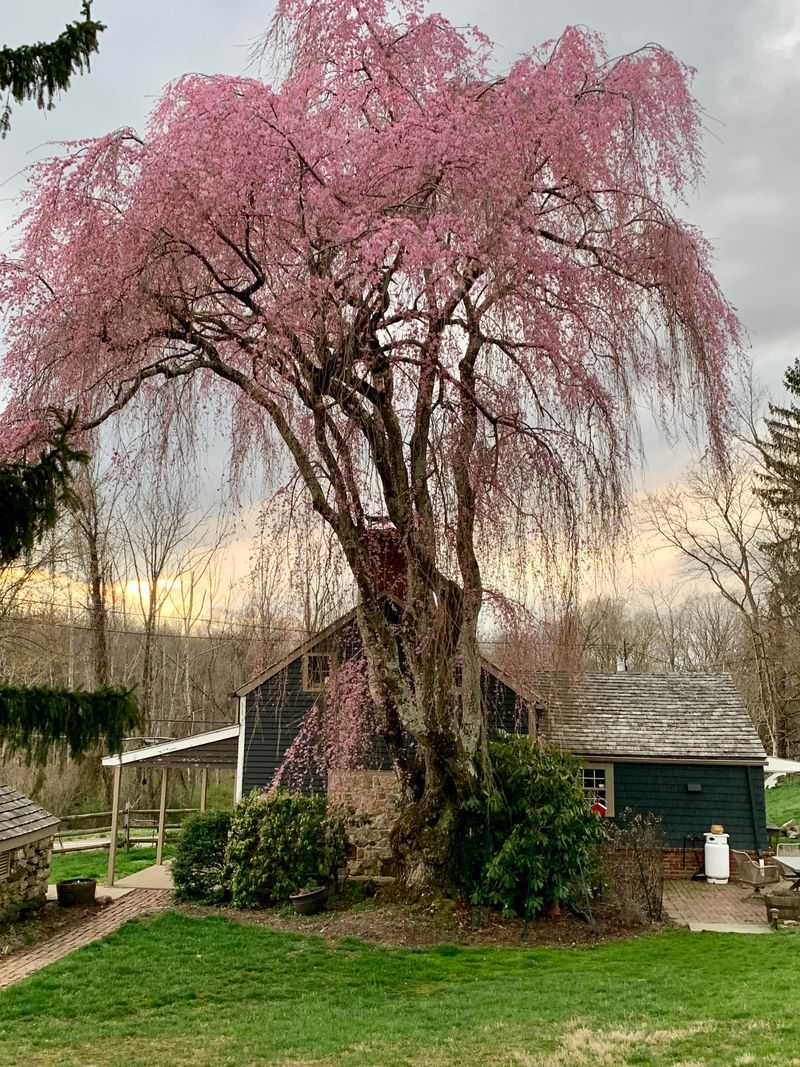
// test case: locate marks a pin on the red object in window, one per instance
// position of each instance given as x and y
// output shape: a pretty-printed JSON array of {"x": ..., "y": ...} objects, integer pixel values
[{"x": 599, "y": 808}]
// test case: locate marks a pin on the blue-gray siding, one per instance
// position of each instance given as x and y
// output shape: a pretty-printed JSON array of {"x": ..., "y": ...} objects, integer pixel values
[
  {"x": 276, "y": 709},
  {"x": 731, "y": 795},
  {"x": 274, "y": 712}
]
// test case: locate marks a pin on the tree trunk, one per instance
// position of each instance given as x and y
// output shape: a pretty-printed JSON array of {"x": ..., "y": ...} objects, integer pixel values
[{"x": 436, "y": 735}]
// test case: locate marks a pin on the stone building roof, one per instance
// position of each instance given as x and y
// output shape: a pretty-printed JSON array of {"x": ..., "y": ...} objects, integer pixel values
[
  {"x": 22, "y": 821},
  {"x": 658, "y": 716}
]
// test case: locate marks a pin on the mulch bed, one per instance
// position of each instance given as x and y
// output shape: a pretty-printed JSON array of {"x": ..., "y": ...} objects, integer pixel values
[
  {"x": 426, "y": 923},
  {"x": 39, "y": 926}
]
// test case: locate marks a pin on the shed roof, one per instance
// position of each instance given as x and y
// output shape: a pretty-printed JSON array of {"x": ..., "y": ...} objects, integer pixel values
[
  {"x": 694, "y": 717},
  {"x": 21, "y": 820},
  {"x": 214, "y": 748}
]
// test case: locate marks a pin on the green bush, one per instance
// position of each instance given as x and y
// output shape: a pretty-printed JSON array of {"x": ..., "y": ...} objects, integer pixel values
[
  {"x": 197, "y": 869},
  {"x": 280, "y": 843},
  {"x": 522, "y": 848}
]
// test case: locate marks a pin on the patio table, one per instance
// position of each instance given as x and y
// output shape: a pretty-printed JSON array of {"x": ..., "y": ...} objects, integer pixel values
[{"x": 789, "y": 863}]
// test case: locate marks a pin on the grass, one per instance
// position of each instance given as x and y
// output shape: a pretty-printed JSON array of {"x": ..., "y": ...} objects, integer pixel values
[
  {"x": 94, "y": 862},
  {"x": 783, "y": 800},
  {"x": 205, "y": 992}
]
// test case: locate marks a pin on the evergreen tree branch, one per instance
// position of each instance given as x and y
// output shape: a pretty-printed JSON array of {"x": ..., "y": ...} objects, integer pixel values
[
  {"x": 32, "y": 495},
  {"x": 41, "y": 70},
  {"x": 37, "y": 721}
]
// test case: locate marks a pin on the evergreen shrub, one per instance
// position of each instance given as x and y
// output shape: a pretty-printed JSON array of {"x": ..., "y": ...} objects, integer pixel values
[
  {"x": 197, "y": 869},
  {"x": 522, "y": 847},
  {"x": 281, "y": 843}
]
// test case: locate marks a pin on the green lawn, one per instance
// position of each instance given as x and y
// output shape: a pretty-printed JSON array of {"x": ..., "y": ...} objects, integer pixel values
[
  {"x": 94, "y": 862},
  {"x": 783, "y": 800},
  {"x": 203, "y": 992}
]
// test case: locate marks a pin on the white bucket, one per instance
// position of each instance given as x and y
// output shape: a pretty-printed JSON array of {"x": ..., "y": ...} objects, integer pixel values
[{"x": 717, "y": 859}]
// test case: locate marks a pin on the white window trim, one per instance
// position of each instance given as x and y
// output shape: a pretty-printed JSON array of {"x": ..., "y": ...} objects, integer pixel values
[{"x": 593, "y": 765}]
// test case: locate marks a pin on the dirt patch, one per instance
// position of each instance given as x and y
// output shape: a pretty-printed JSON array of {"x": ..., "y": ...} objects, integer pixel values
[
  {"x": 590, "y": 1047},
  {"x": 39, "y": 926},
  {"x": 385, "y": 920}
]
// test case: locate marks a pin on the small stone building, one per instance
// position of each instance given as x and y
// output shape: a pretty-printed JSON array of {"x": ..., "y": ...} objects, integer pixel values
[{"x": 26, "y": 841}]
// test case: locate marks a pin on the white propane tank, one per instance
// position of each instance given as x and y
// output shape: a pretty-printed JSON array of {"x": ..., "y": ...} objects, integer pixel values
[{"x": 718, "y": 859}]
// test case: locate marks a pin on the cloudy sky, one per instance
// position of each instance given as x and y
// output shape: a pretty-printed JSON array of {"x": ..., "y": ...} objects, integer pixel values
[{"x": 747, "y": 55}]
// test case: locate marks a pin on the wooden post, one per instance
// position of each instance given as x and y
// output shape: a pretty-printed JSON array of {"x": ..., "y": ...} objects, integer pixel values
[
  {"x": 162, "y": 816},
  {"x": 112, "y": 846},
  {"x": 203, "y": 788}
]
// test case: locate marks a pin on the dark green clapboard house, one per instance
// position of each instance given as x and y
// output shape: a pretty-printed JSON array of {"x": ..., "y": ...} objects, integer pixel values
[{"x": 679, "y": 745}]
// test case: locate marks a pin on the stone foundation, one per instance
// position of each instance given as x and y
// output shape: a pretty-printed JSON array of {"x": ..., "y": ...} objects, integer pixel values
[
  {"x": 370, "y": 800},
  {"x": 25, "y": 887}
]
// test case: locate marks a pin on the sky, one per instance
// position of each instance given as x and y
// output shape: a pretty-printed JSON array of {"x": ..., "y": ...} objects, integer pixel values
[{"x": 747, "y": 57}]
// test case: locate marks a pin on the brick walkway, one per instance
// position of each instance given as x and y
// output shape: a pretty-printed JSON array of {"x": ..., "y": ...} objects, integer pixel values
[
  {"x": 109, "y": 919},
  {"x": 691, "y": 903}
]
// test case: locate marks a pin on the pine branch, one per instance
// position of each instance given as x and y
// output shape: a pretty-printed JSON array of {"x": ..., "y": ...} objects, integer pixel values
[
  {"x": 37, "y": 721},
  {"x": 41, "y": 70},
  {"x": 32, "y": 495}
]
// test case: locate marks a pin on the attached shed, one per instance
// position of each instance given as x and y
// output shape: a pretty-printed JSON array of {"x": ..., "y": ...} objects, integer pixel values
[
  {"x": 26, "y": 841},
  {"x": 680, "y": 745}
]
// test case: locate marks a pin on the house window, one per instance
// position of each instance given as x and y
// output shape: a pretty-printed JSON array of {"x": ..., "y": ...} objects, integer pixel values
[
  {"x": 598, "y": 784},
  {"x": 5, "y": 864},
  {"x": 317, "y": 669}
]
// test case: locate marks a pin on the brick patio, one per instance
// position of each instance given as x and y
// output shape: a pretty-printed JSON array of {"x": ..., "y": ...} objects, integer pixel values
[
  {"x": 110, "y": 918},
  {"x": 702, "y": 906}
]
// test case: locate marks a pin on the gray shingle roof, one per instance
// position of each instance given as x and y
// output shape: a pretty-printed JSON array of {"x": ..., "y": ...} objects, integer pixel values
[
  {"x": 20, "y": 817},
  {"x": 661, "y": 716}
]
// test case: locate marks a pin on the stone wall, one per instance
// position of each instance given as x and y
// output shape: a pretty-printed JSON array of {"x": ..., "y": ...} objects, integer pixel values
[
  {"x": 25, "y": 887},
  {"x": 370, "y": 800}
]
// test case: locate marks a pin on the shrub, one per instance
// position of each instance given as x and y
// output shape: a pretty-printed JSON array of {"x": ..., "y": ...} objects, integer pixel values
[
  {"x": 280, "y": 843},
  {"x": 521, "y": 848},
  {"x": 197, "y": 869},
  {"x": 634, "y": 866}
]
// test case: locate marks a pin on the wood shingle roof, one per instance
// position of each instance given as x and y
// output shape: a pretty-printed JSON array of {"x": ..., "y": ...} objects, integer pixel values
[
  {"x": 650, "y": 716},
  {"x": 21, "y": 818}
]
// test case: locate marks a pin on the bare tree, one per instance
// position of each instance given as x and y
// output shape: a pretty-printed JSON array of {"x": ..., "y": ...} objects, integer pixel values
[
  {"x": 96, "y": 532},
  {"x": 717, "y": 524},
  {"x": 163, "y": 539}
]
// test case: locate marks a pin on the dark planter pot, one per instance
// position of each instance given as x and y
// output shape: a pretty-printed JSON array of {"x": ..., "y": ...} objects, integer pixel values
[
  {"x": 310, "y": 901},
  {"x": 76, "y": 892}
]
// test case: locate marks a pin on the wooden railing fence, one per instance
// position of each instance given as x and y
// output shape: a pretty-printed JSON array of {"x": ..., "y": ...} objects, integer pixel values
[{"x": 98, "y": 824}]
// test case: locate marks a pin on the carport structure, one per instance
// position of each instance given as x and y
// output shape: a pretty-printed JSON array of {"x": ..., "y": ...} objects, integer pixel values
[{"x": 215, "y": 748}]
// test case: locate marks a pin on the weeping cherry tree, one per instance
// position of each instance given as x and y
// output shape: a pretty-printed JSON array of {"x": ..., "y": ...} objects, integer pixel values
[{"x": 437, "y": 290}]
